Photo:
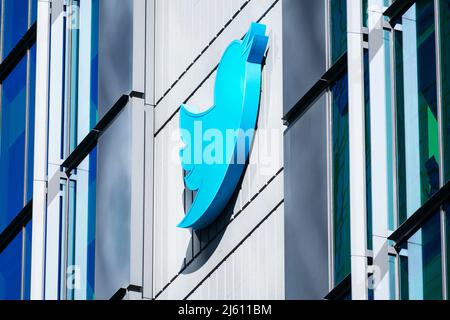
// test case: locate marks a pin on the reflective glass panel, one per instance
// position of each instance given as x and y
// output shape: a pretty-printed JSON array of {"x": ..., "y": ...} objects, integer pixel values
[
  {"x": 421, "y": 263},
  {"x": 11, "y": 270},
  {"x": 444, "y": 19},
  {"x": 15, "y": 23},
  {"x": 338, "y": 10},
  {"x": 341, "y": 180},
  {"x": 417, "y": 124},
  {"x": 12, "y": 144}
]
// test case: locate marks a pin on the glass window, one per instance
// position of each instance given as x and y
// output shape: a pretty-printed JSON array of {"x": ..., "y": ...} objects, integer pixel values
[
  {"x": 368, "y": 150},
  {"x": 338, "y": 10},
  {"x": 421, "y": 263},
  {"x": 444, "y": 19},
  {"x": 81, "y": 73},
  {"x": 11, "y": 267},
  {"x": 31, "y": 108},
  {"x": 77, "y": 207},
  {"x": 341, "y": 179},
  {"x": 27, "y": 261},
  {"x": 33, "y": 18},
  {"x": 416, "y": 109},
  {"x": 15, "y": 23},
  {"x": 365, "y": 6},
  {"x": 11, "y": 270},
  {"x": 12, "y": 143}
]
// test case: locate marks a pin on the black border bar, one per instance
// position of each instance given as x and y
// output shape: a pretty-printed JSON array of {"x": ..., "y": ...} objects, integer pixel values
[
  {"x": 13, "y": 229},
  {"x": 415, "y": 222},
  {"x": 328, "y": 78},
  {"x": 17, "y": 53}
]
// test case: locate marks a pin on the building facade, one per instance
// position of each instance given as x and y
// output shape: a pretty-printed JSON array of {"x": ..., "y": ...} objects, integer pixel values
[{"x": 345, "y": 192}]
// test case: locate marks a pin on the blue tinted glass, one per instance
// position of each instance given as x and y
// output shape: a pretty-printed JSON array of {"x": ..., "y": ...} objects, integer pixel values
[
  {"x": 31, "y": 105},
  {"x": 33, "y": 11},
  {"x": 27, "y": 261},
  {"x": 421, "y": 277},
  {"x": 12, "y": 144},
  {"x": 338, "y": 28},
  {"x": 15, "y": 23},
  {"x": 94, "y": 64},
  {"x": 341, "y": 180},
  {"x": 11, "y": 270},
  {"x": 91, "y": 224}
]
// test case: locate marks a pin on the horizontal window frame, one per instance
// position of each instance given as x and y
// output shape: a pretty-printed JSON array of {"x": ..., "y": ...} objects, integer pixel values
[
  {"x": 420, "y": 216},
  {"x": 15, "y": 226},
  {"x": 397, "y": 9},
  {"x": 339, "y": 68},
  {"x": 18, "y": 52},
  {"x": 85, "y": 147}
]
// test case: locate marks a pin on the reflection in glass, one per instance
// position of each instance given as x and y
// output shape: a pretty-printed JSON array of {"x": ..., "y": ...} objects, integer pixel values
[
  {"x": 15, "y": 23},
  {"x": 31, "y": 108},
  {"x": 421, "y": 264},
  {"x": 11, "y": 270},
  {"x": 445, "y": 80},
  {"x": 12, "y": 144},
  {"x": 417, "y": 124},
  {"x": 341, "y": 179},
  {"x": 338, "y": 10},
  {"x": 77, "y": 209}
]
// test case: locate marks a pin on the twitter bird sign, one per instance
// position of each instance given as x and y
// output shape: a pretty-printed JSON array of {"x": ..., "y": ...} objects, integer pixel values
[{"x": 217, "y": 141}]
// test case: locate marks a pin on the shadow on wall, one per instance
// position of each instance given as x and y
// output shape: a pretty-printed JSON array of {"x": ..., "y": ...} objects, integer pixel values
[{"x": 203, "y": 243}]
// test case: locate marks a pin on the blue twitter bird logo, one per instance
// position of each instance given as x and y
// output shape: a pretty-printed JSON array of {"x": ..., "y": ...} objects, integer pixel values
[{"x": 230, "y": 122}]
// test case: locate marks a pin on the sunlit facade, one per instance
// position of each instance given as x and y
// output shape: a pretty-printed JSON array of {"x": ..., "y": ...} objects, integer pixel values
[{"x": 346, "y": 192}]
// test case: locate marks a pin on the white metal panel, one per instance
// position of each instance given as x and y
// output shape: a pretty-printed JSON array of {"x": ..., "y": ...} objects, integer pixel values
[
  {"x": 200, "y": 70},
  {"x": 40, "y": 143},
  {"x": 266, "y": 161},
  {"x": 252, "y": 271},
  {"x": 358, "y": 228},
  {"x": 379, "y": 144},
  {"x": 185, "y": 28},
  {"x": 236, "y": 231},
  {"x": 170, "y": 242}
]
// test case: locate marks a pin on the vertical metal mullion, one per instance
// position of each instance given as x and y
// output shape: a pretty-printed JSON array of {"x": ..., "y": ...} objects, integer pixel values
[
  {"x": 441, "y": 146},
  {"x": 66, "y": 237},
  {"x": 66, "y": 140},
  {"x": 394, "y": 152},
  {"x": 329, "y": 145}
]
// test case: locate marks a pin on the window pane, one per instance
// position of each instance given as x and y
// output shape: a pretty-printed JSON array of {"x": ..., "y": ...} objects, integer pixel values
[
  {"x": 11, "y": 270},
  {"x": 12, "y": 144},
  {"x": 33, "y": 11},
  {"x": 421, "y": 269},
  {"x": 338, "y": 28},
  {"x": 31, "y": 108},
  {"x": 78, "y": 221},
  {"x": 365, "y": 12},
  {"x": 81, "y": 72},
  {"x": 368, "y": 150},
  {"x": 417, "y": 123},
  {"x": 341, "y": 180},
  {"x": 15, "y": 23},
  {"x": 27, "y": 261},
  {"x": 445, "y": 79}
]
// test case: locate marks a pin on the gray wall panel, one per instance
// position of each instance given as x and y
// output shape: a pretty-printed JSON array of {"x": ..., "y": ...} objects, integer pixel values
[
  {"x": 306, "y": 242},
  {"x": 115, "y": 51},
  {"x": 112, "y": 243},
  {"x": 304, "y": 47}
]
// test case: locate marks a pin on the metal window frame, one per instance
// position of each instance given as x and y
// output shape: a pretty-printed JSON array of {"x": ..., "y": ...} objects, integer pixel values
[
  {"x": 21, "y": 50},
  {"x": 436, "y": 204}
]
